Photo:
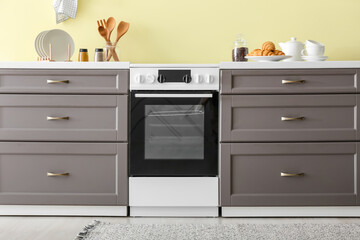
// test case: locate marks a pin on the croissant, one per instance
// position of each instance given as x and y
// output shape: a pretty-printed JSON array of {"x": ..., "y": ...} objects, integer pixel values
[
  {"x": 254, "y": 52},
  {"x": 267, "y": 53},
  {"x": 270, "y": 46},
  {"x": 257, "y": 52},
  {"x": 278, "y": 52}
]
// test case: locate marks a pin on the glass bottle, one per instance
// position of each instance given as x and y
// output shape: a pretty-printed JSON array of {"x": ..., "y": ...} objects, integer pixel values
[
  {"x": 83, "y": 55},
  {"x": 99, "y": 55},
  {"x": 240, "y": 49}
]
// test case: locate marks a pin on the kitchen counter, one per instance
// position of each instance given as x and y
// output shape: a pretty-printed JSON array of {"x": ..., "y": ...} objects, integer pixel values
[
  {"x": 64, "y": 65},
  {"x": 222, "y": 65},
  {"x": 289, "y": 65}
]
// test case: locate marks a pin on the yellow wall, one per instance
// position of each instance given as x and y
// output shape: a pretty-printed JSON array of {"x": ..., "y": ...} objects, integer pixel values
[{"x": 186, "y": 31}]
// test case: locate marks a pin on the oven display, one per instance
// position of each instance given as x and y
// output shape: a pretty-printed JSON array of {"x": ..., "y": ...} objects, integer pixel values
[{"x": 174, "y": 76}]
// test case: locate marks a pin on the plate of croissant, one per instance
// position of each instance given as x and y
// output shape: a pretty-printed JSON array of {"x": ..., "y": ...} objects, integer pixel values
[{"x": 267, "y": 53}]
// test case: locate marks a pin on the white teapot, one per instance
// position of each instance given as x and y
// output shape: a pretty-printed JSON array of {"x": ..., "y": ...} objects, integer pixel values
[{"x": 292, "y": 48}]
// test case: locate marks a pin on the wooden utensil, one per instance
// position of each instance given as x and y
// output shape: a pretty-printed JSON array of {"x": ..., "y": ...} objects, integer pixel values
[
  {"x": 110, "y": 25},
  {"x": 122, "y": 28}
]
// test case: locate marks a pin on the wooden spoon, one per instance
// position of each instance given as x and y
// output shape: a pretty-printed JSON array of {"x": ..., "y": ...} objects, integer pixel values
[
  {"x": 122, "y": 28},
  {"x": 110, "y": 25}
]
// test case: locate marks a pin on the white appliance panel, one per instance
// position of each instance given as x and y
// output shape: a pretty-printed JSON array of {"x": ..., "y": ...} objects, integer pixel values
[
  {"x": 173, "y": 192},
  {"x": 202, "y": 79}
]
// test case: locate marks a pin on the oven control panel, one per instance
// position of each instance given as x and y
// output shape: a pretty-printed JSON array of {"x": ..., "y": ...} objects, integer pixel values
[{"x": 174, "y": 78}]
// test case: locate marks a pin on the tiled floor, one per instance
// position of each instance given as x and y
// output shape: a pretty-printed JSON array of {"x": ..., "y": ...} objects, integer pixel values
[{"x": 63, "y": 228}]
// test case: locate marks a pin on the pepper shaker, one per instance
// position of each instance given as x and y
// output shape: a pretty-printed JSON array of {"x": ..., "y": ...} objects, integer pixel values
[{"x": 99, "y": 55}]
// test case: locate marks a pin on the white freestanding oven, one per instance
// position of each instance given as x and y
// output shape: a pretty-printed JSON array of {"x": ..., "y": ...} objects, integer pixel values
[{"x": 173, "y": 160}]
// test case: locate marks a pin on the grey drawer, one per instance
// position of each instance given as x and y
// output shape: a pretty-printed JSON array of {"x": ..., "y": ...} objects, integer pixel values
[
  {"x": 90, "y": 118},
  {"x": 251, "y": 174},
  {"x": 97, "y": 173},
  {"x": 271, "y": 81},
  {"x": 76, "y": 81},
  {"x": 260, "y": 118}
]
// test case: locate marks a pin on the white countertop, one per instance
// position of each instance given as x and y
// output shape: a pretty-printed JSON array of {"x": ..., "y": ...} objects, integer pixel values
[
  {"x": 65, "y": 65},
  {"x": 223, "y": 65},
  {"x": 289, "y": 65}
]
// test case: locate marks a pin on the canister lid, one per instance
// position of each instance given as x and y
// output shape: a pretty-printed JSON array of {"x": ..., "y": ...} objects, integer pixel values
[
  {"x": 99, "y": 49},
  {"x": 83, "y": 49}
]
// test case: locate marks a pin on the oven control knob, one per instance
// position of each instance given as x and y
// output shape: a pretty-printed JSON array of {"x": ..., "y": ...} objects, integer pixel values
[
  {"x": 209, "y": 79},
  {"x": 139, "y": 78},
  {"x": 150, "y": 78},
  {"x": 161, "y": 78},
  {"x": 187, "y": 78},
  {"x": 198, "y": 78}
]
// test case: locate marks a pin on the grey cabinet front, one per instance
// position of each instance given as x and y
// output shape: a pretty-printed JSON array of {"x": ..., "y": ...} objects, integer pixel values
[
  {"x": 289, "y": 81},
  {"x": 63, "y": 117},
  {"x": 288, "y": 174},
  {"x": 63, "y": 173},
  {"x": 64, "y": 81},
  {"x": 270, "y": 118}
]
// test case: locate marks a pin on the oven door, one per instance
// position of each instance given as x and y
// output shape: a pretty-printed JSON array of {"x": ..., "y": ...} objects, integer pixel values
[{"x": 174, "y": 133}]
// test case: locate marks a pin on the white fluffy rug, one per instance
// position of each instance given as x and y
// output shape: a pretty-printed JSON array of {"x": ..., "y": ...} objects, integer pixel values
[{"x": 112, "y": 231}]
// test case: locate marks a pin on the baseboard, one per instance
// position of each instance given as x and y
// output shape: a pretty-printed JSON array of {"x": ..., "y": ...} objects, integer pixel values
[
  {"x": 174, "y": 211},
  {"x": 51, "y": 210},
  {"x": 336, "y": 211}
]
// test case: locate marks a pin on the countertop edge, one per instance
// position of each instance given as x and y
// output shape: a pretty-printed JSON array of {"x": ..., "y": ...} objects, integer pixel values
[
  {"x": 64, "y": 65},
  {"x": 290, "y": 65}
]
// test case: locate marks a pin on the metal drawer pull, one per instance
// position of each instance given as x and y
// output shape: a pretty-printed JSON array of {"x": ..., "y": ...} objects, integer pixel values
[
  {"x": 292, "y": 174},
  {"x": 292, "y": 81},
  {"x": 50, "y": 174},
  {"x": 57, "y": 81},
  {"x": 172, "y": 95},
  {"x": 292, "y": 118},
  {"x": 57, "y": 118}
]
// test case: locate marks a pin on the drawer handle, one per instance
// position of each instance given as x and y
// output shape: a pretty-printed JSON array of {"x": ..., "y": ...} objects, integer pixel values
[
  {"x": 57, "y": 81},
  {"x": 292, "y": 118},
  {"x": 50, "y": 174},
  {"x": 57, "y": 118},
  {"x": 292, "y": 174},
  {"x": 292, "y": 81}
]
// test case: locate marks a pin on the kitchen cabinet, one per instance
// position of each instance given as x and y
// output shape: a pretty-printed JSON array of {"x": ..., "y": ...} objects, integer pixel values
[
  {"x": 63, "y": 173},
  {"x": 288, "y": 174},
  {"x": 36, "y": 117},
  {"x": 259, "y": 118},
  {"x": 51, "y": 81},
  {"x": 285, "y": 81},
  {"x": 289, "y": 137},
  {"x": 63, "y": 136}
]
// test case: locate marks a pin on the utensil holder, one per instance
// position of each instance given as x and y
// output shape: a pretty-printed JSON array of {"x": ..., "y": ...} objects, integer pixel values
[{"x": 110, "y": 51}]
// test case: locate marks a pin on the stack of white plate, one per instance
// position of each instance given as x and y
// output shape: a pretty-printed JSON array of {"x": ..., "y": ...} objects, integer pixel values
[{"x": 59, "y": 41}]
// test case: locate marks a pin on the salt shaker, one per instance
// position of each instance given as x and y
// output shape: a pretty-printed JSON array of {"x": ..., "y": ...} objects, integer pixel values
[{"x": 99, "y": 55}]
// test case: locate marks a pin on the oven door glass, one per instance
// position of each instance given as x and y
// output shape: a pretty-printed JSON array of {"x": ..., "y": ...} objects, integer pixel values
[
  {"x": 174, "y": 132},
  {"x": 173, "y": 135}
]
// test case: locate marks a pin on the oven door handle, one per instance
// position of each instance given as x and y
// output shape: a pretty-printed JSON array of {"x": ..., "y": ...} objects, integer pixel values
[{"x": 153, "y": 95}]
